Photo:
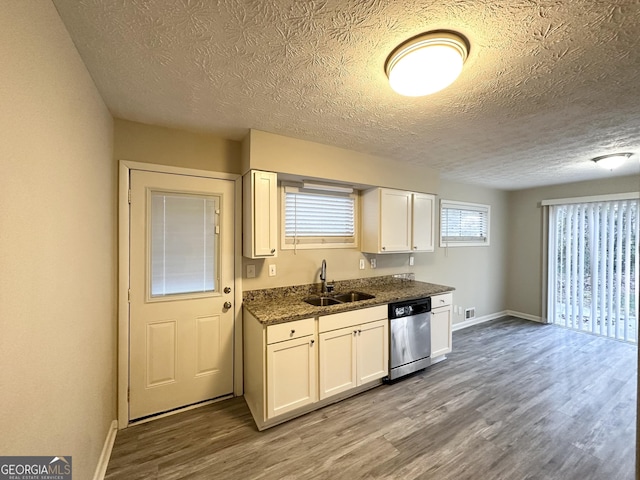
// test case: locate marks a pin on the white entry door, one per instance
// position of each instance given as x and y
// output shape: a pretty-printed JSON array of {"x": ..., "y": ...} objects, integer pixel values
[{"x": 181, "y": 281}]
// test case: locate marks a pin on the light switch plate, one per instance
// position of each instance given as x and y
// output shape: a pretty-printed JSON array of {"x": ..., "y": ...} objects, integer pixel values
[
  {"x": 251, "y": 271},
  {"x": 373, "y": 263},
  {"x": 362, "y": 264},
  {"x": 410, "y": 260},
  {"x": 272, "y": 270}
]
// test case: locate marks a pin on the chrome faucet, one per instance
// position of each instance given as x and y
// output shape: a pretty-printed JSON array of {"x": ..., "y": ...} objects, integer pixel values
[{"x": 323, "y": 276}]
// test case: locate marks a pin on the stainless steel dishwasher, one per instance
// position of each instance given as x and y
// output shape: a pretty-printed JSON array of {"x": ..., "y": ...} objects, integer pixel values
[{"x": 409, "y": 336}]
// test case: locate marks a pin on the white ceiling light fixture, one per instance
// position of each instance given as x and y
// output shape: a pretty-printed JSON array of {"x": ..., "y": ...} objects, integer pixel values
[
  {"x": 612, "y": 161},
  {"x": 427, "y": 63}
]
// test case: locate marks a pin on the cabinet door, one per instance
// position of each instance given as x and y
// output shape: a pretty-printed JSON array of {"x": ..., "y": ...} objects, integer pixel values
[
  {"x": 423, "y": 222},
  {"x": 337, "y": 361},
  {"x": 373, "y": 351},
  {"x": 440, "y": 331},
  {"x": 395, "y": 221},
  {"x": 260, "y": 214},
  {"x": 291, "y": 375}
]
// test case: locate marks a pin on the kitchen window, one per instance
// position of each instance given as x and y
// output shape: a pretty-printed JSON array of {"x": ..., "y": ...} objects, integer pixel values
[
  {"x": 318, "y": 219},
  {"x": 464, "y": 224}
]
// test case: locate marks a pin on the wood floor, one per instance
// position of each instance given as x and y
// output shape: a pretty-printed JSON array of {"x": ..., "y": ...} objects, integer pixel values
[{"x": 515, "y": 400}]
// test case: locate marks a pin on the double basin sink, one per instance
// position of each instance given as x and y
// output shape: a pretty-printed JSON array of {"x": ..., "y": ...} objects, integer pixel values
[{"x": 334, "y": 299}]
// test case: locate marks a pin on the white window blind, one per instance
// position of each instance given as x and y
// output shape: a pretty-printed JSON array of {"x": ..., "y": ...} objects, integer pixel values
[
  {"x": 464, "y": 224},
  {"x": 593, "y": 267},
  {"x": 183, "y": 243},
  {"x": 317, "y": 220}
]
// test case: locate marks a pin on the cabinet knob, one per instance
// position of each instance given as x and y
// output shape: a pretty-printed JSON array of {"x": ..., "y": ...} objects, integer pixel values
[
  {"x": 359, "y": 332},
  {"x": 384, "y": 248},
  {"x": 293, "y": 332},
  {"x": 415, "y": 247},
  {"x": 355, "y": 332},
  {"x": 311, "y": 342},
  {"x": 273, "y": 250},
  {"x": 227, "y": 305}
]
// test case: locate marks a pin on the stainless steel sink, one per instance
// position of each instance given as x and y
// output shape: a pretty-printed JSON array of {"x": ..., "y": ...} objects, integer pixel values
[
  {"x": 322, "y": 301},
  {"x": 352, "y": 296},
  {"x": 349, "y": 297}
]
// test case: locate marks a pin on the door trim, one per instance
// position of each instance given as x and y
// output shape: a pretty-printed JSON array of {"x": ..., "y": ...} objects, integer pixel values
[{"x": 124, "y": 168}]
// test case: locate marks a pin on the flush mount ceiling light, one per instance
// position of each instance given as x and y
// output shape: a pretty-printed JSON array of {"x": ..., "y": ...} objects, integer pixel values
[
  {"x": 612, "y": 161},
  {"x": 427, "y": 63}
]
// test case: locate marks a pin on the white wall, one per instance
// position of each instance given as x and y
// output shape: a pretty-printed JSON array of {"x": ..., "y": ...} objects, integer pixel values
[
  {"x": 57, "y": 245},
  {"x": 477, "y": 273},
  {"x": 524, "y": 290},
  {"x": 140, "y": 142}
]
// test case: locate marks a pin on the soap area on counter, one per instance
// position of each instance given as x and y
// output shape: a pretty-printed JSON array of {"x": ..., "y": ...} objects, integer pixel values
[{"x": 300, "y": 357}]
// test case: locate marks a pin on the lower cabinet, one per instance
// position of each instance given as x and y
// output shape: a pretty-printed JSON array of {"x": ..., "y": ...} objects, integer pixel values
[
  {"x": 286, "y": 364},
  {"x": 292, "y": 375},
  {"x": 441, "y": 323},
  {"x": 354, "y": 355}
]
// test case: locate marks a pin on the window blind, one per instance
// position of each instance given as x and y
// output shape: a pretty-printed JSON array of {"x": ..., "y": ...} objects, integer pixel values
[
  {"x": 593, "y": 267},
  {"x": 182, "y": 242},
  {"x": 318, "y": 218},
  {"x": 463, "y": 224}
]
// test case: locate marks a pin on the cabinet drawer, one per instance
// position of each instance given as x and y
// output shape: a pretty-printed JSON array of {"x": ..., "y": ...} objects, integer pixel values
[
  {"x": 442, "y": 300},
  {"x": 354, "y": 317},
  {"x": 289, "y": 330}
]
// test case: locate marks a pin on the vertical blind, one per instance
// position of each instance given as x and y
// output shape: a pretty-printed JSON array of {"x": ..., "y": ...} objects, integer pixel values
[
  {"x": 463, "y": 223},
  {"x": 314, "y": 218},
  {"x": 182, "y": 237},
  {"x": 593, "y": 267}
]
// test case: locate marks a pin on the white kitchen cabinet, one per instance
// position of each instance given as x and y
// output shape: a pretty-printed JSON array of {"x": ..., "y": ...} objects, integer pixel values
[
  {"x": 292, "y": 379},
  {"x": 260, "y": 214},
  {"x": 395, "y": 221},
  {"x": 441, "y": 323},
  {"x": 280, "y": 367},
  {"x": 423, "y": 222},
  {"x": 353, "y": 349},
  {"x": 337, "y": 361}
]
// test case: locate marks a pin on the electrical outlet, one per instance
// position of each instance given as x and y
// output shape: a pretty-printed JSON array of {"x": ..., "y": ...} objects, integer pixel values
[
  {"x": 373, "y": 263},
  {"x": 251, "y": 271},
  {"x": 362, "y": 264},
  {"x": 272, "y": 270},
  {"x": 410, "y": 260}
]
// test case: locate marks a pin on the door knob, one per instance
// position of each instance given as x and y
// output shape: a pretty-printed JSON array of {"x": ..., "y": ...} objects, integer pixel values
[
  {"x": 227, "y": 305},
  {"x": 227, "y": 289}
]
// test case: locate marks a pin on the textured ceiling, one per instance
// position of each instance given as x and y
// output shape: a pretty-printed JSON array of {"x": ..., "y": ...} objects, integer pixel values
[{"x": 548, "y": 84}]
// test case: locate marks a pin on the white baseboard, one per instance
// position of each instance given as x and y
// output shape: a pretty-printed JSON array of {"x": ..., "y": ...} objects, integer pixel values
[
  {"x": 103, "y": 462},
  {"x": 525, "y": 316},
  {"x": 477, "y": 320}
]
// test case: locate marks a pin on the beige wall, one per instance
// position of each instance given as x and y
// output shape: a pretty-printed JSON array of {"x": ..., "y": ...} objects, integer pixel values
[
  {"x": 167, "y": 146},
  {"x": 524, "y": 290},
  {"x": 57, "y": 245},
  {"x": 276, "y": 153},
  {"x": 477, "y": 273}
]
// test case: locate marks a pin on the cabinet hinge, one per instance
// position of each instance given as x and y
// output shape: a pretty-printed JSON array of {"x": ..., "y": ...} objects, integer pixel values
[
  {"x": 129, "y": 295},
  {"x": 128, "y": 394},
  {"x": 129, "y": 196}
]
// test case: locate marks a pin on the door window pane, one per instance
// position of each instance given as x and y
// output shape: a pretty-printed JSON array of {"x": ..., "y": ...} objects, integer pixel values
[{"x": 183, "y": 243}]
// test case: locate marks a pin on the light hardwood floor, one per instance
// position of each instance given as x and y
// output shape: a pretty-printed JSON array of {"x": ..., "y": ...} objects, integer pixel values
[{"x": 515, "y": 400}]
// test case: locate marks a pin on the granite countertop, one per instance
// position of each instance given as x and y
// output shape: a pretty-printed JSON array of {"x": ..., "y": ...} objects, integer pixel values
[{"x": 284, "y": 304}]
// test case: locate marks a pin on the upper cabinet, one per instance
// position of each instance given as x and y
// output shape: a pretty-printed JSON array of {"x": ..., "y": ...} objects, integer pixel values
[
  {"x": 423, "y": 222},
  {"x": 260, "y": 214},
  {"x": 395, "y": 221}
]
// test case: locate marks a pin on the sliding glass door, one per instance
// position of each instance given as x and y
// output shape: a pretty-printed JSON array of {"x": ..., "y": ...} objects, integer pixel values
[{"x": 593, "y": 267}]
